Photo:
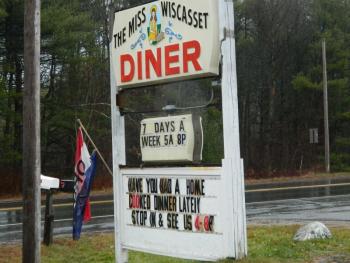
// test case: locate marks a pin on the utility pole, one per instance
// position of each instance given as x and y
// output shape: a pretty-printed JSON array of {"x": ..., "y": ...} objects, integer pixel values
[
  {"x": 31, "y": 133},
  {"x": 325, "y": 107}
]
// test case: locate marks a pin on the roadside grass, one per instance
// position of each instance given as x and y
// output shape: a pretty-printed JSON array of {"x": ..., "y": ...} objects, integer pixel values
[{"x": 266, "y": 245}]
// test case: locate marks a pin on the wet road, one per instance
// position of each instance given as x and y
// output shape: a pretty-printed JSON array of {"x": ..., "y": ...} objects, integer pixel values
[
  {"x": 11, "y": 226},
  {"x": 334, "y": 210}
]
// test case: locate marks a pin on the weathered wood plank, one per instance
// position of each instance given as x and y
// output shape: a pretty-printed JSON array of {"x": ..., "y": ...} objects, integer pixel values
[
  {"x": 119, "y": 158},
  {"x": 232, "y": 163}
]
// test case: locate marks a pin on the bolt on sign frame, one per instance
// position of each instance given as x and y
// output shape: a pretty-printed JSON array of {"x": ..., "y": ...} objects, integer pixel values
[{"x": 212, "y": 221}]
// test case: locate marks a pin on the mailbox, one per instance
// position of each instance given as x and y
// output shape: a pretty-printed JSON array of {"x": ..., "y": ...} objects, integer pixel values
[{"x": 48, "y": 183}]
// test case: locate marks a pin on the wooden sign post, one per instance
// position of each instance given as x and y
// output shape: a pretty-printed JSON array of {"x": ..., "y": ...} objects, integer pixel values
[
  {"x": 31, "y": 133},
  {"x": 185, "y": 212}
]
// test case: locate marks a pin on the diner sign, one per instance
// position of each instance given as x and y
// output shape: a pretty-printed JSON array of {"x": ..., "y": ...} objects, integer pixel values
[
  {"x": 187, "y": 212},
  {"x": 165, "y": 41}
]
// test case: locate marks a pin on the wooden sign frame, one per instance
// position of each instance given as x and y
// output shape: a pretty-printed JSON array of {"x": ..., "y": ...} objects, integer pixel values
[{"x": 232, "y": 164}]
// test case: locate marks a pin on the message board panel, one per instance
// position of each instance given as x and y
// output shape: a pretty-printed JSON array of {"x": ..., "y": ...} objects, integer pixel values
[
  {"x": 170, "y": 139},
  {"x": 165, "y": 41},
  {"x": 175, "y": 212}
]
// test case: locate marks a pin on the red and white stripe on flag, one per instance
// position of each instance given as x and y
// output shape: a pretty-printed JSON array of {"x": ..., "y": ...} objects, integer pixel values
[{"x": 82, "y": 164}]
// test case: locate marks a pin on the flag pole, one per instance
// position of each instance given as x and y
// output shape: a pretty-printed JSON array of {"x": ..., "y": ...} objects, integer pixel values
[{"x": 97, "y": 150}]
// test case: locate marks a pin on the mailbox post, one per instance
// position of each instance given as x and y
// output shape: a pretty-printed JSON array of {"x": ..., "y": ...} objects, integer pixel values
[
  {"x": 49, "y": 185},
  {"x": 49, "y": 219}
]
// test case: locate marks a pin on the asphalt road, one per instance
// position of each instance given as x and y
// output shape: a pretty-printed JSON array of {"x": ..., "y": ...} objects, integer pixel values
[{"x": 334, "y": 210}]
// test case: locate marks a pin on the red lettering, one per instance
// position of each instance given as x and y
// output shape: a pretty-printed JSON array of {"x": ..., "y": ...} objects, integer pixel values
[
  {"x": 191, "y": 57},
  {"x": 170, "y": 59},
  {"x": 123, "y": 60},
  {"x": 198, "y": 223},
  {"x": 139, "y": 65},
  {"x": 206, "y": 223},
  {"x": 136, "y": 201},
  {"x": 155, "y": 62},
  {"x": 150, "y": 64}
]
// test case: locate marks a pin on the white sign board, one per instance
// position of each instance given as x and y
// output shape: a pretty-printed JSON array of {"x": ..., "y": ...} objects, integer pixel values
[
  {"x": 178, "y": 212},
  {"x": 195, "y": 213},
  {"x": 165, "y": 41},
  {"x": 168, "y": 139}
]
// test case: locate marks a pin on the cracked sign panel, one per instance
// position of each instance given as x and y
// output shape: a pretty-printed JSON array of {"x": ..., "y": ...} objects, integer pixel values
[{"x": 165, "y": 41}]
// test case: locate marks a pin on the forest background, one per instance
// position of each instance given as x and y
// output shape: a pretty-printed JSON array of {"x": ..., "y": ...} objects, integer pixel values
[{"x": 279, "y": 63}]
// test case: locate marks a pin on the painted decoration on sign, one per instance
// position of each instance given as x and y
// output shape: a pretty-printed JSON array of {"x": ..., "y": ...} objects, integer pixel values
[
  {"x": 164, "y": 41},
  {"x": 169, "y": 139},
  {"x": 155, "y": 35}
]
